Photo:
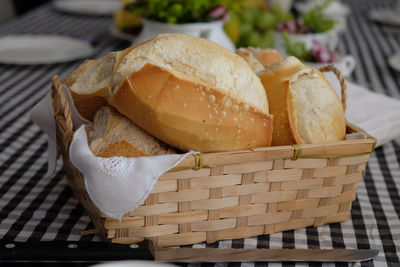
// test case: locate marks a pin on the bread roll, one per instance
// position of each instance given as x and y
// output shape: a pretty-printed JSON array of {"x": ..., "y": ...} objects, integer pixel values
[
  {"x": 259, "y": 59},
  {"x": 305, "y": 107},
  {"x": 192, "y": 94},
  {"x": 111, "y": 134},
  {"x": 90, "y": 84}
]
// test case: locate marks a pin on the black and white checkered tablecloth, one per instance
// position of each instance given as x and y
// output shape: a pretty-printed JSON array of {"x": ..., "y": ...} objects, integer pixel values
[{"x": 34, "y": 208}]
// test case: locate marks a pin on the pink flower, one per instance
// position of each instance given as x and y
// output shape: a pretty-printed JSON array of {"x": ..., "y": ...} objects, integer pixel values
[
  {"x": 281, "y": 26},
  {"x": 324, "y": 56},
  {"x": 291, "y": 26},
  {"x": 217, "y": 12},
  {"x": 316, "y": 46}
]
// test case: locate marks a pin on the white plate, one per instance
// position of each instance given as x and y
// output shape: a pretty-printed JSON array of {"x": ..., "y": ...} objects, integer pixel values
[
  {"x": 134, "y": 263},
  {"x": 42, "y": 49},
  {"x": 394, "y": 61},
  {"x": 386, "y": 16},
  {"x": 88, "y": 7}
]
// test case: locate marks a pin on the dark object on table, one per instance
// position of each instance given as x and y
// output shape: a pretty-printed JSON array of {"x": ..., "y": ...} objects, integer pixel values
[{"x": 22, "y": 6}]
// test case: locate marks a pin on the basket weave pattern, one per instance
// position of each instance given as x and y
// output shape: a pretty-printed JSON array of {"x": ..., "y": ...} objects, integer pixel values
[{"x": 230, "y": 195}]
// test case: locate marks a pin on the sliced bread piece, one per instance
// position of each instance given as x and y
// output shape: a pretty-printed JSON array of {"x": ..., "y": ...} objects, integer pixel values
[
  {"x": 258, "y": 58},
  {"x": 90, "y": 85},
  {"x": 306, "y": 108},
  {"x": 112, "y": 134},
  {"x": 71, "y": 79}
]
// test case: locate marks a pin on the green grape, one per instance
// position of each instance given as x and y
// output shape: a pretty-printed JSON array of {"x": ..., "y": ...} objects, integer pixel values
[
  {"x": 280, "y": 15},
  {"x": 296, "y": 49},
  {"x": 254, "y": 39},
  {"x": 267, "y": 39},
  {"x": 246, "y": 28},
  {"x": 266, "y": 21},
  {"x": 249, "y": 15}
]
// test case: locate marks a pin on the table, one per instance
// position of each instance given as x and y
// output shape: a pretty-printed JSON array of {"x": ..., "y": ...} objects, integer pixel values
[{"x": 34, "y": 208}]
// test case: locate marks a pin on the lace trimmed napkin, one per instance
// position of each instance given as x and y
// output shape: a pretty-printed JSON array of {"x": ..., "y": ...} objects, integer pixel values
[{"x": 118, "y": 185}]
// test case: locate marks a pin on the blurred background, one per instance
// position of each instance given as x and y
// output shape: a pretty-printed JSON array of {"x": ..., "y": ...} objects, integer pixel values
[
  {"x": 39, "y": 39},
  {"x": 13, "y": 8},
  {"x": 307, "y": 29}
]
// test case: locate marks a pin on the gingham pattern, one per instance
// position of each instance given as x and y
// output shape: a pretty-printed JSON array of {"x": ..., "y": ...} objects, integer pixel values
[{"x": 33, "y": 208}]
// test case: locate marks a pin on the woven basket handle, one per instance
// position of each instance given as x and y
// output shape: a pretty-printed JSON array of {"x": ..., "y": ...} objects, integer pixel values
[
  {"x": 62, "y": 112},
  {"x": 343, "y": 86}
]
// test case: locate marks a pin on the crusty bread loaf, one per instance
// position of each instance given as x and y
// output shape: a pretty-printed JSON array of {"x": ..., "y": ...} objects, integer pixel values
[
  {"x": 90, "y": 84},
  {"x": 192, "y": 94},
  {"x": 87, "y": 103},
  {"x": 305, "y": 107},
  {"x": 71, "y": 79},
  {"x": 259, "y": 59},
  {"x": 112, "y": 134}
]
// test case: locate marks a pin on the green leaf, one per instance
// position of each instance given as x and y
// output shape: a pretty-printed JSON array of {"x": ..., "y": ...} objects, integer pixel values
[
  {"x": 177, "y": 11},
  {"x": 296, "y": 49},
  {"x": 317, "y": 20}
]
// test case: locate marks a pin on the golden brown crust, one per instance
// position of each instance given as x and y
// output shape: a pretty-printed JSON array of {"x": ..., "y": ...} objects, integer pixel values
[
  {"x": 122, "y": 149},
  {"x": 251, "y": 59},
  {"x": 260, "y": 59},
  {"x": 188, "y": 115},
  {"x": 88, "y": 104},
  {"x": 329, "y": 124},
  {"x": 282, "y": 110},
  {"x": 269, "y": 57}
]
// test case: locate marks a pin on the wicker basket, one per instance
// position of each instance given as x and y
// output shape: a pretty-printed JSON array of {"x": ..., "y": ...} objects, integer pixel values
[{"x": 230, "y": 195}]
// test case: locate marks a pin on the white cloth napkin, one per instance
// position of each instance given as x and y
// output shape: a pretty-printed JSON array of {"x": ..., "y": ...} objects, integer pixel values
[
  {"x": 377, "y": 114},
  {"x": 118, "y": 185}
]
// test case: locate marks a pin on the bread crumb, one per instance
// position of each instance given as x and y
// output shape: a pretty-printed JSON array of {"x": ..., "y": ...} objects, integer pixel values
[
  {"x": 228, "y": 102},
  {"x": 212, "y": 98},
  {"x": 235, "y": 108}
]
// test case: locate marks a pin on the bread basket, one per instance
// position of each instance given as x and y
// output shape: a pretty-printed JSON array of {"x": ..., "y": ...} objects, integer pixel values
[{"x": 228, "y": 195}]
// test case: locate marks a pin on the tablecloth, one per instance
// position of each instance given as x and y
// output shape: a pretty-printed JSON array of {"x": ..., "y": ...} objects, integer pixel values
[{"x": 34, "y": 208}]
